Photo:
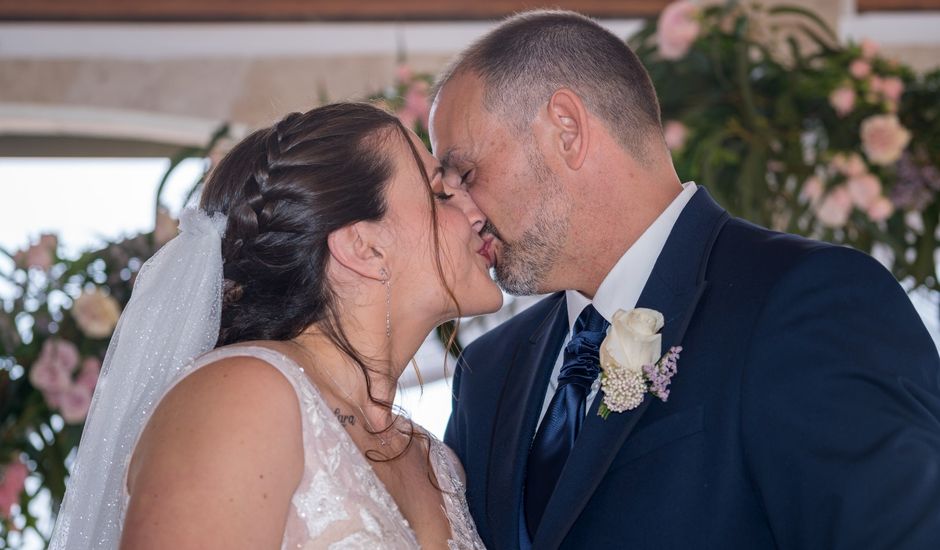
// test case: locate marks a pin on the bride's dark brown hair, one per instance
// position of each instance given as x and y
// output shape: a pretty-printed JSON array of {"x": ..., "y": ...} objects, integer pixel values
[{"x": 285, "y": 189}]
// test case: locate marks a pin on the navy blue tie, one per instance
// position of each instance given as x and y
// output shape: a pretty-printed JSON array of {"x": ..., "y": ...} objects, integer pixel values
[{"x": 562, "y": 421}]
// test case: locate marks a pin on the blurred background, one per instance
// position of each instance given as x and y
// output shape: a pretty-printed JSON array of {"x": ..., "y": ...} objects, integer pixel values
[{"x": 819, "y": 118}]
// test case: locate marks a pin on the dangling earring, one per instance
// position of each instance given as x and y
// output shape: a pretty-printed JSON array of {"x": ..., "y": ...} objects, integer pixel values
[{"x": 388, "y": 302}]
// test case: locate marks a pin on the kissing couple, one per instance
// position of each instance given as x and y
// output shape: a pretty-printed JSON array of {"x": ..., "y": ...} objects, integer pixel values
[{"x": 690, "y": 380}]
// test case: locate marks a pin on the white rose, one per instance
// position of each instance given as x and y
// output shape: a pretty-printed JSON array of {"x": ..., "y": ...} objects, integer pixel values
[
  {"x": 633, "y": 339},
  {"x": 96, "y": 313}
]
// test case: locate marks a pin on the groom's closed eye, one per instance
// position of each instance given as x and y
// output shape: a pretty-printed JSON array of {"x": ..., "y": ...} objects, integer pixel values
[{"x": 466, "y": 177}]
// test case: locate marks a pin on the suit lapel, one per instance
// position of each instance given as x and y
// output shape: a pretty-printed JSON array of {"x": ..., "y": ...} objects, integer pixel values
[
  {"x": 674, "y": 288},
  {"x": 516, "y": 417}
]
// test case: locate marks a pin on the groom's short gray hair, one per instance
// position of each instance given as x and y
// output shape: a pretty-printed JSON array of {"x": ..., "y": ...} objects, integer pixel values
[{"x": 529, "y": 56}]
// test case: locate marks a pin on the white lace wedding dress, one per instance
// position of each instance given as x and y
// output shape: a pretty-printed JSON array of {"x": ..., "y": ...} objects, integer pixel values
[{"x": 340, "y": 502}]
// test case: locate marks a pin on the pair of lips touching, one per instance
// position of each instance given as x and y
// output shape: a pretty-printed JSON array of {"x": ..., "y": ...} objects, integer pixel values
[{"x": 490, "y": 236}]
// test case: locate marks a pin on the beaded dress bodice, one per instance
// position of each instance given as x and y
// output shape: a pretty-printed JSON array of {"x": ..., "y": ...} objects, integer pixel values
[{"x": 340, "y": 502}]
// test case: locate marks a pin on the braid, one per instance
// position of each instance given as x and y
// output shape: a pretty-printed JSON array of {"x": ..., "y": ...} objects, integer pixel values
[{"x": 284, "y": 189}]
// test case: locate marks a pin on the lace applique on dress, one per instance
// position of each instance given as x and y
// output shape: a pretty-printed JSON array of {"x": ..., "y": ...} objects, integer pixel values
[
  {"x": 317, "y": 499},
  {"x": 463, "y": 529},
  {"x": 340, "y": 502}
]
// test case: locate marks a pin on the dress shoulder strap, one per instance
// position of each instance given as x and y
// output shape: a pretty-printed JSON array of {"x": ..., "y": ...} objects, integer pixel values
[{"x": 288, "y": 367}]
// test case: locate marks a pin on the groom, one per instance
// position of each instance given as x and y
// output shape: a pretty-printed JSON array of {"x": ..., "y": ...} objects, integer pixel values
[{"x": 805, "y": 410}]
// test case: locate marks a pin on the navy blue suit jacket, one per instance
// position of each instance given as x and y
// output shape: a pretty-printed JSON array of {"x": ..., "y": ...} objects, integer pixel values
[{"x": 805, "y": 412}]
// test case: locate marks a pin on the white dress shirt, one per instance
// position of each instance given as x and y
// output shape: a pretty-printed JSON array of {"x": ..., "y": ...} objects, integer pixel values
[{"x": 621, "y": 288}]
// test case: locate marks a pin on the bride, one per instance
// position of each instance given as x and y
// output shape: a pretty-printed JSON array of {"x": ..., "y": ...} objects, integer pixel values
[{"x": 325, "y": 249}]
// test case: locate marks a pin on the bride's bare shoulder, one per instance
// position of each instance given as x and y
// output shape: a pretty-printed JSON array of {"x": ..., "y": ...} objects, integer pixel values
[
  {"x": 225, "y": 442},
  {"x": 237, "y": 408}
]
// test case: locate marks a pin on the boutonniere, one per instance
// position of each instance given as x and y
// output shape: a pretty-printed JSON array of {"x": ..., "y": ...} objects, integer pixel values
[{"x": 631, "y": 365}]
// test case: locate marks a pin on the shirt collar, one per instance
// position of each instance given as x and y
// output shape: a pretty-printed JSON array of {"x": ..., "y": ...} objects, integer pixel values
[{"x": 622, "y": 286}]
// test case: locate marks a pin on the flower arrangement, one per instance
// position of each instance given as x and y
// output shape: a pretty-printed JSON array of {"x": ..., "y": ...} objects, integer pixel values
[
  {"x": 631, "y": 365},
  {"x": 53, "y": 336},
  {"x": 408, "y": 99},
  {"x": 56, "y": 320},
  {"x": 790, "y": 129}
]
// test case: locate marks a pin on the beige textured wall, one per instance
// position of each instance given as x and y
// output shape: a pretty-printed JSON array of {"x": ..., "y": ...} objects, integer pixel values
[{"x": 252, "y": 91}]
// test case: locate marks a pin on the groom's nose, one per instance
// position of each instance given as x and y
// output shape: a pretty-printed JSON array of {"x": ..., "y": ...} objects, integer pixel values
[{"x": 475, "y": 216}]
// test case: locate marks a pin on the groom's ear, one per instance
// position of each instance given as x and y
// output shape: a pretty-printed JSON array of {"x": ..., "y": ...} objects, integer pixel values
[
  {"x": 356, "y": 248},
  {"x": 568, "y": 117}
]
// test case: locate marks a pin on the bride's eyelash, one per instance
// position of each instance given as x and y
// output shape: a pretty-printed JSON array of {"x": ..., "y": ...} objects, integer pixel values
[{"x": 443, "y": 196}]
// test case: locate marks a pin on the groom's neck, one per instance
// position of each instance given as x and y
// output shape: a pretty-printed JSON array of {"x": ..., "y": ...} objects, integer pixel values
[{"x": 609, "y": 220}]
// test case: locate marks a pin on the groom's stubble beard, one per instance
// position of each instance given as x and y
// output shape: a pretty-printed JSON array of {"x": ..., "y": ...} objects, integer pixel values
[{"x": 524, "y": 264}]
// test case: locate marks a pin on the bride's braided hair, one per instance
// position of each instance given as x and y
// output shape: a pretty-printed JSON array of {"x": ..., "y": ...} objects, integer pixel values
[{"x": 285, "y": 189}]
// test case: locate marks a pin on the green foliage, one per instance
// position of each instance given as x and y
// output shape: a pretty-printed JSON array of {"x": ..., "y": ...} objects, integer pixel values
[{"x": 753, "y": 93}]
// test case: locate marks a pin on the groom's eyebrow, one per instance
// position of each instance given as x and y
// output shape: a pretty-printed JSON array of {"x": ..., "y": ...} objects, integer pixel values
[
  {"x": 453, "y": 157},
  {"x": 447, "y": 160}
]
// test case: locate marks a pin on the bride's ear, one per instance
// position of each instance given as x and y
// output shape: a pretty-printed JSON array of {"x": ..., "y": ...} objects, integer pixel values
[{"x": 357, "y": 248}]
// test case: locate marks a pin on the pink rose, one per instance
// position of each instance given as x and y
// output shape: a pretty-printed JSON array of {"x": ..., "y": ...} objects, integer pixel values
[
  {"x": 166, "y": 228},
  {"x": 860, "y": 68},
  {"x": 53, "y": 369},
  {"x": 812, "y": 190},
  {"x": 96, "y": 313},
  {"x": 40, "y": 255},
  {"x": 88, "y": 375},
  {"x": 869, "y": 48},
  {"x": 880, "y": 209},
  {"x": 876, "y": 83},
  {"x": 892, "y": 88},
  {"x": 677, "y": 29},
  {"x": 49, "y": 241},
  {"x": 884, "y": 139},
  {"x": 850, "y": 165},
  {"x": 864, "y": 189},
  {"x": 835, "y": 208},
  {"x": 675, "y": 133},
  {"x": 842, "y": 100},
  {"x": 403, "y": 73},
  {"x": 74, "y": 403},
  {"x": 12, "y": 481}
]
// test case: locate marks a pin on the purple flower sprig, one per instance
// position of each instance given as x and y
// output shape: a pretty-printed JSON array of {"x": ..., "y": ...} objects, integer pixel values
[{"x": 660, "y": 374}]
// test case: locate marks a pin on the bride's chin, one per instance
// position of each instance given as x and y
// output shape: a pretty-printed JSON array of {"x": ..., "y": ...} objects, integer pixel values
[{"x": 488, "y": 301}]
